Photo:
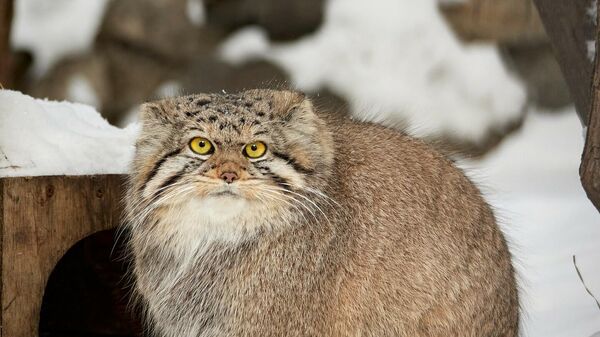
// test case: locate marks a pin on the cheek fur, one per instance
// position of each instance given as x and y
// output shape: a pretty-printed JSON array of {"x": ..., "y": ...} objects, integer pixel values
[
  {"x": 280, "y": 173},
  {"x": 170, "y": 173}
]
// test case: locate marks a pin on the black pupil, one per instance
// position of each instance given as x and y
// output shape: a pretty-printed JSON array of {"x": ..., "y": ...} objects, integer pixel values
[
  {"x": 202, "y": 143},
  {"x": 253, "y": 147}
]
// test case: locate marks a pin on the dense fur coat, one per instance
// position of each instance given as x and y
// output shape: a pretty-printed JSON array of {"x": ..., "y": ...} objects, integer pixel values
[{"x": 340, "y": 229}]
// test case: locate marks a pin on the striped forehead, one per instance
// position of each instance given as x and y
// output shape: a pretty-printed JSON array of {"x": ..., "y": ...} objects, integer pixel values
[
  {"x": 212, "y": 108},
  {"x": 230, "y": 116}
]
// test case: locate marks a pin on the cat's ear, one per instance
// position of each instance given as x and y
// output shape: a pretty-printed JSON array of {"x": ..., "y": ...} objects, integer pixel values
[
  {"x": 292, "y": 105},
  {"x": 153, "y": 113}
]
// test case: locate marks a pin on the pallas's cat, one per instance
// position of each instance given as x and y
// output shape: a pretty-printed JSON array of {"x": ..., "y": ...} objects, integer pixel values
[{"x": 253, "y": 214}]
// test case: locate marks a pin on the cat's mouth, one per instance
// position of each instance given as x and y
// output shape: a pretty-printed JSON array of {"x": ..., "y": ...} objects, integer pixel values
[{"x": 225, "y": 191}]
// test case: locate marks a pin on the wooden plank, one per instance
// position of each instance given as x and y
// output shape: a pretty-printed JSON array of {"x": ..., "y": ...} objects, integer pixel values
[
  {"x": 506, "y": 21},
  {"x": 589, "y": 171},
  {"x": 41, "y": 219},
  {"x": 1, "y": 250},
  {"x": 570, "y": 27}
]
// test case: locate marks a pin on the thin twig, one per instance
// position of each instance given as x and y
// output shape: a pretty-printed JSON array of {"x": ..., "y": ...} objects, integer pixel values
[{"x": 583, "y": 282}]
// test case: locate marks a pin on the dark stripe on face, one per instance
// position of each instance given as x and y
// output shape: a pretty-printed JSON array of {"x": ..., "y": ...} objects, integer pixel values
[
  {"x": 292, "y": 162},
  {"x": 157, "y": 167},
  {"x": 197, "y": 128},
  {"x": 279, "y": 180},
  {"x": 171, "y": 181},
  {"x": 202, "y": 101}
]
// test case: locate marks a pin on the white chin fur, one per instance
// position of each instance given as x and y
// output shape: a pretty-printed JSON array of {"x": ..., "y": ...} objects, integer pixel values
[
  {"x": 221, "y": 209},
  {"x": 215, "y": 218}
]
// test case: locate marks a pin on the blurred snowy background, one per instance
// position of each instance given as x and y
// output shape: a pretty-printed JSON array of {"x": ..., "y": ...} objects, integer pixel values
[{"x": 487, "y": 91}]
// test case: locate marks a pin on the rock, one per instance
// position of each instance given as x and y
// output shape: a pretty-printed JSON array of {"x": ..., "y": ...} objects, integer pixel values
[
  {"x": 140, "y": 45},
  {"x": 514, "y": 21},
  {"x": 15, "y": 68},
  {"x": 454, "y": 146},
  {"x": 211, "y": 75},
  {"x": 162, "y": 28},
  {"x": 283, "y": 20},
  {"x": 112, "y": 79},
  {"x": 538, "y": 68},
  {"x": 70, "y": 77}
]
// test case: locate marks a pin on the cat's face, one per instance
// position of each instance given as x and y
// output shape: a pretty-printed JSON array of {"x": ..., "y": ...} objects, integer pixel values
[{"x": 229, "y": 162}]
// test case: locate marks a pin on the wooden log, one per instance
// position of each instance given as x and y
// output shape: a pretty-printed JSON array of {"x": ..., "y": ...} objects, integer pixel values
[
  {"x": 40, "y": 219},
  {"x": 589, "y": 171},
  {"x": 570, "y": 27},
  {"x": 506, "y": 21}
]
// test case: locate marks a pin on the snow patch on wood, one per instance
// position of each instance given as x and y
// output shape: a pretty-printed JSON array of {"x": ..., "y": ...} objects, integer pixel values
[{"x": 41, "y": 137}]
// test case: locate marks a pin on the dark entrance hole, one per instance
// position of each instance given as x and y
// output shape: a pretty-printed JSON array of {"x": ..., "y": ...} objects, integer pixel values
[{"x": 87, "y": 294}]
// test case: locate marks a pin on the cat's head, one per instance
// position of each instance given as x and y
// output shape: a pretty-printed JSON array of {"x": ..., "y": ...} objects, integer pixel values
[{"x": 230, "y": 162}]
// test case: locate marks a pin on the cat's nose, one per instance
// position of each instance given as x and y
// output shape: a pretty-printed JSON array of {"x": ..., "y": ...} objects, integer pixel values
[{"x": 229, "y": 177}]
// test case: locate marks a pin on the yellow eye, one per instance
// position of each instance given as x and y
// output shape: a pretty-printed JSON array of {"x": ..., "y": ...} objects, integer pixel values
[
  {"x": 255, "y": 150},
  {"x": 201, "y": 146}
]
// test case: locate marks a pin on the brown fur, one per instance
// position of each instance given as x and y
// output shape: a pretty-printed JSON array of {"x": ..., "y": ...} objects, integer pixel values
[{"x": 398, "y": 242}]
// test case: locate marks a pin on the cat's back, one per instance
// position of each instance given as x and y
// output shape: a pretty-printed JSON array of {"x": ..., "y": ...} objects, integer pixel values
[
  {"x": 417, "y": 228},
  {"x": 383, "y": 166}
]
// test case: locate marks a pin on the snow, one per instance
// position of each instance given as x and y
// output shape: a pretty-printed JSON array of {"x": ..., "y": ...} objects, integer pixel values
[
  {"x": 195, "y": 12},
  {"x": 533, "y": 182},
  {"x": 592, "y": 11},
  {"x": 592, "y": 15},
  {"x": 451, "y": 2},
  {"x": 591, "y": 50},
  {"x": 170, "y": 88},
  {"x": 39, "y": 137},
  {"x": 248, "y": 43},
  {"x": 54, "y": 29},
  {"x": 80, "y": 90},
  {"x": 398, "y": 62}
]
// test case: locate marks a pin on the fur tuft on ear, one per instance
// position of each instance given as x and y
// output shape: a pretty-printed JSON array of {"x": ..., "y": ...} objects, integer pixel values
[
  {"x": 292, "y": 104},
  {"x": 156, "y": 113},
  {"x": 150, "y": 112}
]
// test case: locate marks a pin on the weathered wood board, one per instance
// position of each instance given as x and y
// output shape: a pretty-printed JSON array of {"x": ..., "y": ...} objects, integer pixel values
[{"x": 40, "y": 219}]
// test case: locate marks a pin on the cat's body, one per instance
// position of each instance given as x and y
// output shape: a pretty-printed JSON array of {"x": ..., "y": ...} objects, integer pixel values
[{"x": 391, "y": 239}]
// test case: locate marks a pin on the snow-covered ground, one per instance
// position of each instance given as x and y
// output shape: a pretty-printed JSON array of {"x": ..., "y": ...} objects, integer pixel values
[{"x": 532, "y": 180}]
